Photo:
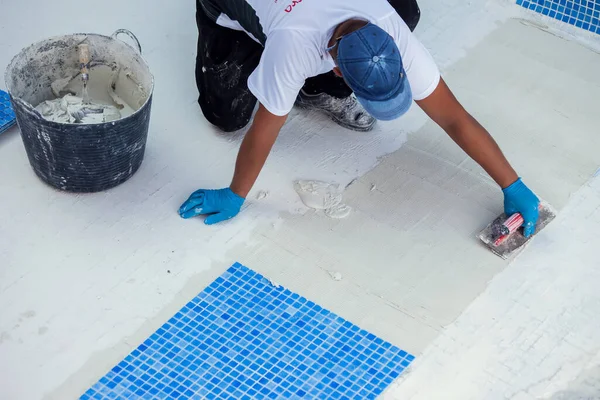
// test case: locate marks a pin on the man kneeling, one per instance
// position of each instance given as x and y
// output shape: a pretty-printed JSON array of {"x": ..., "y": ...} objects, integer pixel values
[{"x": 354, "y": 60}]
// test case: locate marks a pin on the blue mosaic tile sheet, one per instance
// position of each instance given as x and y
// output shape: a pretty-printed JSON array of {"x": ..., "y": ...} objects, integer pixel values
[
  {"x": 243, "y": 338},
  {"x": 7, "y": 116},
  {"x": 581, "y": 13}
]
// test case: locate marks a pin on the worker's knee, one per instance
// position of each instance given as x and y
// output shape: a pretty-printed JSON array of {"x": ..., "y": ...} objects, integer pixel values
[
  {"x": 230, "y": 125},
  {"x": 225, "y": 119}
]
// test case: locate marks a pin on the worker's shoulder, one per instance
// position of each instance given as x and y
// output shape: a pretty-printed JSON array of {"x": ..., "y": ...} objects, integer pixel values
[
  {"x": 298, "y": 48},
  {"x": 307, "y": 41}
]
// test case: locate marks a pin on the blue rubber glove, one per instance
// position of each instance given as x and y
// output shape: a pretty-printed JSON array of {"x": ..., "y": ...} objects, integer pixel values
[
  {"x": 221, "y": 204},
  {"x": 519, "y": 199}
]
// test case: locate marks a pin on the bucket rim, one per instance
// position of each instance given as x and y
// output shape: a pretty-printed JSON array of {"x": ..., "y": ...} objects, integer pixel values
[{"x": 30, "y": 106}]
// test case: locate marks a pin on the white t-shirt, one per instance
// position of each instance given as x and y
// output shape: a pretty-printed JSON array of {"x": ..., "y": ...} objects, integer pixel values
[{"x": 298, "y": 32}]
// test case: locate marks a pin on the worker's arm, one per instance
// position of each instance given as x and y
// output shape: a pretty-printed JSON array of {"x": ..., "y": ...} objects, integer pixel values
[
  {"x": 255, "y": 149},
  {"x": 226, "y": 203},
  {"x": 443, "y": 108}
]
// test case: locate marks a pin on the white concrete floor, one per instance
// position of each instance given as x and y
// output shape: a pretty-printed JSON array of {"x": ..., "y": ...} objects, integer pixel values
[
  {"x": 84, "y": 278},
  {"x": 533, "y": 334}
]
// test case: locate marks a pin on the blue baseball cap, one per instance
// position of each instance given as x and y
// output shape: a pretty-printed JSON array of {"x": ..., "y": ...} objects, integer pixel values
[{"x": 371, "y": 65}]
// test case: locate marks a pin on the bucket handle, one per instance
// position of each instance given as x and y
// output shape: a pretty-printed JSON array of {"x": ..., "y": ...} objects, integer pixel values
[{"x": 131, "y": 36}]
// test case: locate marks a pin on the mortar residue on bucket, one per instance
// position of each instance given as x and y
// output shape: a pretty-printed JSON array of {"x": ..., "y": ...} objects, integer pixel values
[{"x": 96, "y": 152}]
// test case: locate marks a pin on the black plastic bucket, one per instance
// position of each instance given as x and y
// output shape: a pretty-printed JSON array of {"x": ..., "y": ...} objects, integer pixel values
[{"x": 82, "y": 157}]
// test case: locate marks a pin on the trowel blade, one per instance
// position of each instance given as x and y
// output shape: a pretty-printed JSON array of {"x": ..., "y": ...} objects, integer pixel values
[{"x": 515, "y": 243}]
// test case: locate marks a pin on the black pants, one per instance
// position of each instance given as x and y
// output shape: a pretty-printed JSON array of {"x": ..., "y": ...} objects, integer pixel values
[{"x": 227, "y": 57}]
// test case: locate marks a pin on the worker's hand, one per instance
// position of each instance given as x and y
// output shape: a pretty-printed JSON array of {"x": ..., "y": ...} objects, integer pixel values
[
  {"x": 220, "y": 204},
  {"x": 519, "y": 199}
]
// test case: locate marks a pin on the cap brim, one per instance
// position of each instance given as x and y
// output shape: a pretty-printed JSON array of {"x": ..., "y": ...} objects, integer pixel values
[{"x": 390, "y": 109}]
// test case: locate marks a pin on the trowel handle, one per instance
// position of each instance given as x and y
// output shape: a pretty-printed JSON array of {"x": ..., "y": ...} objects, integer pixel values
[
  {"x": 514, "y": 222},
  {"x": 509, "y": 227},
  {"x": 84, "y": 58}
]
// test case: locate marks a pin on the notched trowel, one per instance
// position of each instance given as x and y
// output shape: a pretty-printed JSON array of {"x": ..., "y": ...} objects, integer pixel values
[{"x": 504, "y": 236}]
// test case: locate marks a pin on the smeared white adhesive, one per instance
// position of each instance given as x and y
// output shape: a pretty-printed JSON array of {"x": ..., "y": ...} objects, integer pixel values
[
  {"x": 262, "y": 195},
  {"x": 71, "y": 110},
  {"x": 320, "y": 195},
  {"x": 60, "y": 84},
  {"x": 274, "y": 284},
  {"x": 339, "y": 211},
  {"x": 336, "y": 276}
]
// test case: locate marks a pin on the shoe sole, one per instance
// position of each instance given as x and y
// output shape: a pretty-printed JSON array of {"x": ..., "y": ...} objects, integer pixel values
[{"x": 335, "y": 119}]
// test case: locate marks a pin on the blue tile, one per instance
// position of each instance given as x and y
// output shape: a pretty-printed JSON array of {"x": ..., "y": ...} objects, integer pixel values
[
  {"x": 242, "y": 338},
  {"x": 580, "y": 13},
  {"x": 7, "y": 115}
]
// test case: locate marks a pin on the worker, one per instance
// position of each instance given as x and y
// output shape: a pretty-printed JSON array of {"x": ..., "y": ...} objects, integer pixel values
[{"x": 355, "y": 60}]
